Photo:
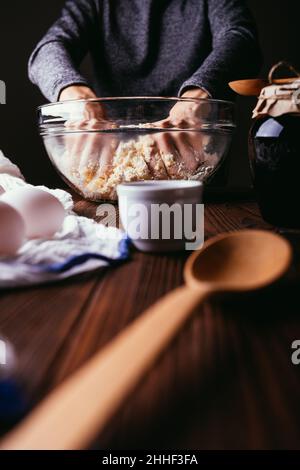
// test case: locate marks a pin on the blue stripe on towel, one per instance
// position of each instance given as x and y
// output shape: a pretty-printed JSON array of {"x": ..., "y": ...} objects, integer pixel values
[{"x": 76, "y": 260}]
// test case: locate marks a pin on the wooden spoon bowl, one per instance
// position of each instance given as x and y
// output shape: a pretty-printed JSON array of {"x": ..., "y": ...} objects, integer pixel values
[{"x": 239, "y": 261}]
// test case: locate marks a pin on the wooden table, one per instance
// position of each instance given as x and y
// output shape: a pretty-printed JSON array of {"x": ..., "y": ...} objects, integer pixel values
[{"x": 226, "y": 382}]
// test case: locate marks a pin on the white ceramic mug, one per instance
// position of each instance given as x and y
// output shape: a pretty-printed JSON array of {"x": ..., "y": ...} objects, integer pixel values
[{"x": 163, "y": 215}]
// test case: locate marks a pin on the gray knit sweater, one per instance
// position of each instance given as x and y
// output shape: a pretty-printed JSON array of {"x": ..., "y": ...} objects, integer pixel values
[{"x": 148, "y": 47}]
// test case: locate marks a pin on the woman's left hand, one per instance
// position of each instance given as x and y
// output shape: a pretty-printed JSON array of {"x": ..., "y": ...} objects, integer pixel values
[{"x": 184, "y": 145}]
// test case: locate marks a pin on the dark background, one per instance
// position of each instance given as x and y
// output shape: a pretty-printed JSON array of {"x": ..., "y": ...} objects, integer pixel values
[{"x": 22, "y": 23}]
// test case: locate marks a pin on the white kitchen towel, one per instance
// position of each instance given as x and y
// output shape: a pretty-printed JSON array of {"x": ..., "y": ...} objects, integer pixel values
[{"x": 81, "y": 246}]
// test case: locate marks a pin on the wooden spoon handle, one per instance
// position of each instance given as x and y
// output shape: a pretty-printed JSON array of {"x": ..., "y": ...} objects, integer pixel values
[{"x": 76, "y": 411}]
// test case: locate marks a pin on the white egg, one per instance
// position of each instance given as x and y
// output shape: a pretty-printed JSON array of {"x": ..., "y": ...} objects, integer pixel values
[
  {"x": 12, "y": 229},
  {"x": 42, "y": 212}
]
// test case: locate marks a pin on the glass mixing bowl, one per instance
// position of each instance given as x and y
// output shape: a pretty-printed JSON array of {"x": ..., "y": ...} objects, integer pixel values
[{"x": 97, "y": 144}]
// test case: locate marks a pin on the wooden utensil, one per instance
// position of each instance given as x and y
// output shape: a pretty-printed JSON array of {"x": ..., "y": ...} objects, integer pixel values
[
  {"x": 72, "y": 415},
  {"x": 253, "y": 87}
]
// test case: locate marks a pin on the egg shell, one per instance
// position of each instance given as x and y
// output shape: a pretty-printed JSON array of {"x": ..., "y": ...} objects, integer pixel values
[
  {"x": 12, "y": 230},
  {"x": 42, "y": 212}
]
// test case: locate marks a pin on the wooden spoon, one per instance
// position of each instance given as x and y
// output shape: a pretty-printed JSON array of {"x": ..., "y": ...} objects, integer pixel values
[
  {"x": 253, "y": 87},
  {"x": 72, "y": 415}
]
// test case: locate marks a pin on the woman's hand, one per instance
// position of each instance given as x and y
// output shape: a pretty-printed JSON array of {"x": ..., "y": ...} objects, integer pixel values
[
  {"x": 79, "y": 92},
  {"x": 89, "y": 155},
  {"x": 185, "y": 113},
  {"x": 76, "y": 92},
  {"x": 185, "y": 146}
]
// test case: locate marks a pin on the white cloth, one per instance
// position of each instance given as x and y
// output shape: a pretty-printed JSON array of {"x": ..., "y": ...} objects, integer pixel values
[{"x": 74, "y": 250}]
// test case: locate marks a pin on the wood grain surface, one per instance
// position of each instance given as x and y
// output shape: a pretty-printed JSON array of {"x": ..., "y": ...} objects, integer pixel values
[{"x": 226, "y": 382}]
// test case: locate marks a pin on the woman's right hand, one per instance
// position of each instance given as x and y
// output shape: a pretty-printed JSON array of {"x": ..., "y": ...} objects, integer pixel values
[
  {"x": 80, "y": 92},
  {"x": 76, "y": 92},
  {"x": 89, "y": 155}
]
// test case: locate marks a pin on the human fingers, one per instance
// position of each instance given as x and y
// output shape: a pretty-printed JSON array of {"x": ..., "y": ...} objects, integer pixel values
[
  {"x": 163, "y": 124},
  {"x": 190, "y": 147},
  {"x": 108, "y": 150},
  {"x": 94, "y": 110},
  {"x": 89, "y": 148},
  {"x": 169, "y": 153},
  {"x": 154, "y": 160},
  {"x": 71, "y": 157}
]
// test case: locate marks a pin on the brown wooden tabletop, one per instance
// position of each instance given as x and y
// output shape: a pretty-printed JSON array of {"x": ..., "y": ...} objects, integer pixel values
[{"x": 226, "y": 382}]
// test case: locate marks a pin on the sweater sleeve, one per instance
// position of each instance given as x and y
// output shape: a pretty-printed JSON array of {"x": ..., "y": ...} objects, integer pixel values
[
  {"x": 54, "y": 63},
  {"x": 235, "y": 49}
]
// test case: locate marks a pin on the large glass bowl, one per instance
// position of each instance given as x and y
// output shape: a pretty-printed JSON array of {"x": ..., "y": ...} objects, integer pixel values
[{"x": 97, "y": 144}]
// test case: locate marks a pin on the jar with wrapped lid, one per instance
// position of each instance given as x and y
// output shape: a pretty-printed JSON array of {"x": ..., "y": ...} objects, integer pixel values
[{"x": 274, "y": 148}]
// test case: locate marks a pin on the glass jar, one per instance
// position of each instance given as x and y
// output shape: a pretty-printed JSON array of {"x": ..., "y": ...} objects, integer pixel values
[
  {"x": 13, "y": 398},
  {"x": 274, "y": 147}
]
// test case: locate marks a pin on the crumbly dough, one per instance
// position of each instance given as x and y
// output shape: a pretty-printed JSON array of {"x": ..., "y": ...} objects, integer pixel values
[{"x": 134, "y": 160}]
